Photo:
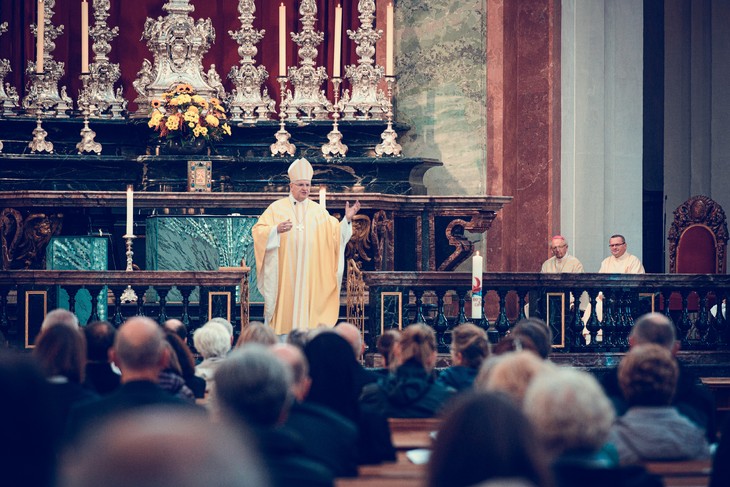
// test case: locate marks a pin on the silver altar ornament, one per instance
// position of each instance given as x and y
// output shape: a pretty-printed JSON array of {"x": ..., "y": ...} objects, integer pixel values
[
  {"x": 8, "y": 94},
  {"x": 178, "y": 44},
  {"x": 366, "y": 100},
  {"x": 334, "y": 146},
  {"x": 87, "y": 143},
  {"x": 39, "y": 142},
  {"x": 247, "y": 102},
  {"x": 309, "y": 100},
  {"x": 42, "y": 90},
  {"x": 98, "y": 90},
  {"x": 282, "y": 145},
  {"x": 389, "y": 146}
]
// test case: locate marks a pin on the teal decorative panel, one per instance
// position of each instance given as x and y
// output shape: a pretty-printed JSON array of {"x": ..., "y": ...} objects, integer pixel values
[
  {"x": 83, "y": 254},
  {"x": 189, "y": 243}
]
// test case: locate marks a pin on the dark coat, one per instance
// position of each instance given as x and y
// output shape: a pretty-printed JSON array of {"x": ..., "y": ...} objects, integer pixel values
[
  {"x": 287, "y": 462},
  {"x": 100, "y": 378},
  {"x": 458, "y": 377},
  {"x": 575, "y": 471}
]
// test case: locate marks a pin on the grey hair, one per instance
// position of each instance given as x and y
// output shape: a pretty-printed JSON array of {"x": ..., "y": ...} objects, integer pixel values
[
  {"x": 60, "y": 316},
  {"x": 222, "y": 321},
  {"x": 212, "y": 340}
]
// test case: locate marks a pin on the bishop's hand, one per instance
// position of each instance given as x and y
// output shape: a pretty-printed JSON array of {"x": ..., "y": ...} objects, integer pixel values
[
  {"x": 351, "y": 211},
  {"x": 284, "y": 227}
]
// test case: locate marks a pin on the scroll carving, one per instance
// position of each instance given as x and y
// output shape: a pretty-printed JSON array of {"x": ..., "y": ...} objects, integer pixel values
[
  {"x": 24, "y": 240},
  {"x": 381, "y": 235}
]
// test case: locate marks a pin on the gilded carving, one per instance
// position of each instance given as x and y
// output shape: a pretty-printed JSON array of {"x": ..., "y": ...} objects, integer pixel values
[
  {"x": 358, "y": 248},
  {"x": 24, "y": 240}
]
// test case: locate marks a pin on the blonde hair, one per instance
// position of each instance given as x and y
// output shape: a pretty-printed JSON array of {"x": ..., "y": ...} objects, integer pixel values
[
  {"x": 471, "y": 342},
  {"x": 512, "y": 374},
  {"x": 417, "y": 342}
]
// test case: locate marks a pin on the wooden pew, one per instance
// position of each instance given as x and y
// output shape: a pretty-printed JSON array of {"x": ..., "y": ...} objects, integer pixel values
[
  {"x": 690, "y": 473},
  {"x": 410, "y": 433}
]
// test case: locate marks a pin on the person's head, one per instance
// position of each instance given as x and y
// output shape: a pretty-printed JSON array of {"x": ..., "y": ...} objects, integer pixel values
[
  {"x": 99, "y": 339},
  {"x": 156, "y": 447},
  {"x": 418, "y": 343},
  {"x": 654, "y": 328},
  {"x": 617, "y": 245},
  {"x": 212, "y": 340},
  {"x": 514, "y": 343},
  {"x": 569, "y": 411},
  {"x": 559, "y": 246},
  {"x": 139, "y": 349},
  {"x": 300, "y": 179},
  {"x": 183, "y": 354},
  {"x": 387, "y": 345},
  {"x": 178, "y": 327},
  {"x": 484, "y": 426},
  {"x": 351, "y": 333},
  {"x": 60, "y": 316},
  {"x": 332, "y": 367},
  {"x": 61, "y": 351},
  {"x": 537, "y": 331},
  {"x": 226, "y": 324},
  {"x": 294, "y": 358},
  {"x": 254, "y": 386},
  {"x": 469, "y": 345},
  {"x": 511, "y": 374},
  {"x": 648, "y": 375},
  {"x": 257, "y": 332},
  {"x": 298, "y": 338}
]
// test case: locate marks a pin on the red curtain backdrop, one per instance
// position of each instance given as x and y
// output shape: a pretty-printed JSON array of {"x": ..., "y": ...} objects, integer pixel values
[{"x": 128, "y": 48}]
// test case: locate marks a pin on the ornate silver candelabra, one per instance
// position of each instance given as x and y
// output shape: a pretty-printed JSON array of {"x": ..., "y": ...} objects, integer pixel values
[
  {"x": 178, "y": 44},
  {"x": 309, "y": 98},
  {"x": 247, "y": 101},
  {"x": 8, "y": 94},
  {"x": 43, "y": 87},
  {"x": 367, "y": 100},
  {"x": 282, "y": 145},
  {"x": 335, "y": 147},
  {"x": 129, "y": 296},
  {"x": 87, "y": 143},
  {"x": 39, "y": 142},
  {"x": 389, "y": 146},
  {"x": 98, "y": 90}
]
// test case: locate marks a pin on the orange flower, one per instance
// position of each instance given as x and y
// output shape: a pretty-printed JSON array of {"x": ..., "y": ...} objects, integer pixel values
[
  {"x": 180, "y": 88},
  {"x": 156, "y": 103}
]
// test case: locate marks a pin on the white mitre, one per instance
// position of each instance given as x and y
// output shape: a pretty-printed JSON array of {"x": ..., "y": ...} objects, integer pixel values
[{"x": 300, "y": 170}]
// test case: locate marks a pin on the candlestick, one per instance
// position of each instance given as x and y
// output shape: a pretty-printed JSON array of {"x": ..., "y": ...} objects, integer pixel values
[
  {"x": 334, "y": 146},
  {"x": 389, "y": 71},
  {"x": 40, "y": 36},
  {"x": 129, "y": 296},
  {"x": 389, "y": 145},
  {"x": 477, "y": 264},
  {"x": 323, "y": 197},
  {"x": 337, "y": 57},
  {"x": 282, "y": 40},
  {"x": 282, "y": 145},
  {"x": 130, "y": 211},
  {"x": 84, "y": 36}
]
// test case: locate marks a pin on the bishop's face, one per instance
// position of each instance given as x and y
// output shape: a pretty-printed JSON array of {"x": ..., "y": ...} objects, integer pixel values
[
  {"x": 559, "y": 248},
  {"x": 300, "y": 189}
]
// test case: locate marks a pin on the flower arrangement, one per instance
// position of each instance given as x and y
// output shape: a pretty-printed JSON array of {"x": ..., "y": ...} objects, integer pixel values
[{"x": 186, "y": 117}]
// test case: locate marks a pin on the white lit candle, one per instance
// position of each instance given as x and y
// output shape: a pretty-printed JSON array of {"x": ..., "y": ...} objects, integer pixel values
[
  {"x": 337, "y": 57},
  {"x": 323, "y": 197},
  {"x": 389, "y": 40},
  {"x": 41, "y": 31},
  {"x": 130, "y": 211},
  {"x": 282, "y": 40},
  {"x": 84, "y": 36},
  {"x": 477, "y": 264}
]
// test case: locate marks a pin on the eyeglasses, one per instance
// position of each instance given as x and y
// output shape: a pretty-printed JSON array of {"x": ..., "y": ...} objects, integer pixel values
[{"x": 617, "y": 245}]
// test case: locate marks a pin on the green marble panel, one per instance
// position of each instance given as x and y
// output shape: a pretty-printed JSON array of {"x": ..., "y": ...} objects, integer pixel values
[
  {"x": 189, "y": 243},
  {"x": 88, "y": 253},
  {"x": 442, "y": 90}
]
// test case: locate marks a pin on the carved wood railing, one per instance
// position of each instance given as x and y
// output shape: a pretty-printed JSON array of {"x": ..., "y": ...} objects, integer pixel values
[
  {"x": 613, "y": 302},
  {"x": 27, "y": 296}
]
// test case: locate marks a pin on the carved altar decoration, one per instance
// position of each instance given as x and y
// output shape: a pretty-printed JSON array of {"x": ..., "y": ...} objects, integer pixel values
[
  {"x": 24, "y": 240},
  {"x": 308, "y": 100},
  {"x": 464, "y": 248},
  {"x": 355, "y": 296},
  {"x": 366, "y": 100},
  {"x": 178, "y": 44},
  {"x": 98, "y": 90},
  {"x": 247, "y": 101},
  {"x": 699, "y": 211},
  {"x": 42, "y": 92},
  {"x": 8, "y": 94},
  {"x": 359, "y": 245},
  {"x": 382, "y": 236}
]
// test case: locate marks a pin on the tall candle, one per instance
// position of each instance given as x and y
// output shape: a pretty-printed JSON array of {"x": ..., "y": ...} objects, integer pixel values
[
  {"x": 41, "y": 34},
  {"x": 477, "y": 264},
  {"x": 337, "y": 57},
  {"x": 323, "y": 197},
  {"x": 130, "y": 211},
  {"x": 84, "y": 36},
  {"x": 282, "y": 40},
  {"x": 389, "y": 40}
]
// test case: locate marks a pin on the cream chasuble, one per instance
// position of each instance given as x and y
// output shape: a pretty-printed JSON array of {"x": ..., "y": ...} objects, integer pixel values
[
  {"x": 626, "y": 264},
  {"x": 568, "y": 264},
  {"x": 299, "y": 272}
]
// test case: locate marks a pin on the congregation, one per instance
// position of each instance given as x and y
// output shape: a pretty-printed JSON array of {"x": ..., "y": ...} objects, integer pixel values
[{"x": 96, "y": 405}]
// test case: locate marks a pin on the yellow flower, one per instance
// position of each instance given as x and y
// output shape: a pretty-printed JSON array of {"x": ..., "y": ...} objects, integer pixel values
[
  {"x": 174, "y": 102},
  {"x": 198, "y": 99},
  {"x": 182, "y": 99},
  {"x": 173, "y": 123},
  {"x": 191, "y": 124},
  {"x": 155, "y": 103},
  {"x": 155, "y": 119},
  {"x": 226, "y": 129},
  {"x": 180, "y": 88},
  {"x": 198, "y": 131},
  {"x": 211, "y": 120},
  {"x": 190, "y": 116},
  {"x": 194, "y": 109}
]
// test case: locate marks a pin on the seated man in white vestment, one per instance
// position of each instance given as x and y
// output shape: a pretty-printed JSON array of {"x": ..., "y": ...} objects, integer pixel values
[
  {"x": 561, "y": 261},
  {"x": 620, "y": 261},
  {"x": 300, "y": 259}
]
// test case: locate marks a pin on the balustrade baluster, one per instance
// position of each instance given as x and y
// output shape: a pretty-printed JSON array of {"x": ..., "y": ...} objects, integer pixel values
[
  {"x": 593, "y": 324},
  {"x": 461, "y": 315},
  {"x": 612, "y": 321},
  {"x": 162, "y": 292},
  {"x": 420, "y": 318},
  {"x": 666, "y": 296},
  {"x": 629, "y": 315},
  {"x": 575, "y": 341},
  {"x": 4, "y": 322},
  {"x": 185, "y": 292},
  {"x": 441, "y": 324},
  {"x": 118, "y": 318},
  {"x": 521, "y": 294},
  {"x": 140, "y": 291},
  {"x": 685, "y": 323},
  {"x": 502, "y": 325},
  {"x": 94, "y": 291},
  {"x": 71, "y": 290},
  {"x": 719, "y": 324},
  {"x": 703, "y": 323}
]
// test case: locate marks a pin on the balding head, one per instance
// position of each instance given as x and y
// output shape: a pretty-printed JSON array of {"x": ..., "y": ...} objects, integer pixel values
[
  {"x": 294, "y": 358},
  {"x": 60, "y": 316},
  {"x": 350, "y": 332},
  {"x": 177, "y": 327},
  {"x": 654, "y": 328},
  {"x": 139, "y": 349}
]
